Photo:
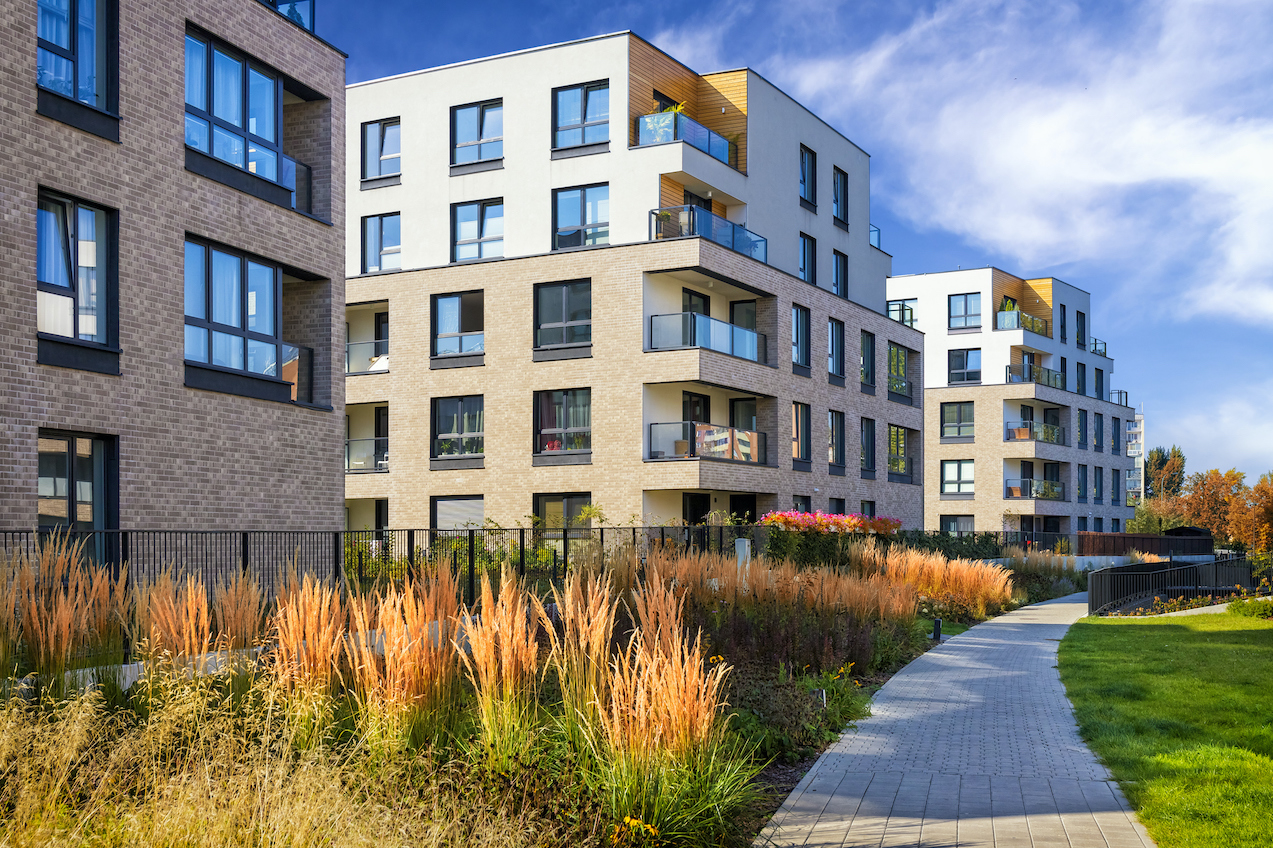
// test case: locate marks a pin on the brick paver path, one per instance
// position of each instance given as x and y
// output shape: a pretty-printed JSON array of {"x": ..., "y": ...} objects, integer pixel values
[{"x": 973, "y": 744}]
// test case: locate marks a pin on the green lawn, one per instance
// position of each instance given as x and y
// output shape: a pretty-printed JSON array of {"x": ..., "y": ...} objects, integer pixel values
[
  {"x": 948, "y": 628},
  {"x": 1181, "y": 710}
]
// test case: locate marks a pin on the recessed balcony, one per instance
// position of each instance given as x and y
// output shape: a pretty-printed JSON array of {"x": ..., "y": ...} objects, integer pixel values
[
  {"x": 1028, "y": 489},
  {"x": 366, "y": 455},
  {"x": 1015, "y": 319},
  {"x": 692, "y": 329},
  {"x": 367, "y": 357},
  {"x": 688, "y": 221},
  {"x": 695, "y": 440},
  {"x": 1034, "y": 431},
  {"x": 1026, "y": 373},
  {"x": 667, "y": 127}
]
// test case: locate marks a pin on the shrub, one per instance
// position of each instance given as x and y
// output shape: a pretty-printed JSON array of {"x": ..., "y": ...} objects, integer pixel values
[
  {"x": 1255, "y": 608},
  {"x": 1043, "y": 575}
]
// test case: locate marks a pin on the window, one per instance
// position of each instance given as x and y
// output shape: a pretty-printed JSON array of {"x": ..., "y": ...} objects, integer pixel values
[
  {"x": 563, "y": 314},
  {"x": 563, "y": 421},
  {"x": 381, "y": 149},
  {"x": 835, "y": 438},
  {"x": 1080, "y": 330},
  {"x": 956, "y": 420},
  {"x": 956, "y": 477},
  {"x": 1100, "y": 384},
  {"x": 477, "y": 132},
  {"x": 836, "y": 506},
  {"x": 458, "y": 426},
  {"x": 835, "y": 347},
  {"x": 1115, "y": 428},
  {"x": 77, "y": 478},
  {"x": 964, "y": 365},
  {"x": 897, "y": 382},
  {"x": 1098, "y": 483},
  {"x": 957, "y": 524},
  {"x": 1114, "y": 489},
  {"x": 581, "y": 114},
  {"x": 234, "y": 111},
  {"x": 1063, "y": 338},
  {"x": 903, "y": 311},
  {"x": 802, "y": 503},
  {"x": 964, "y": 311},
  {"x": 868, "y": 444},
  {"x": 839, "y": 274},
  {"x": 1098, "y": 431},
  {"x": 1098, "y": 525},
  {"x": 71, "y": 56},
  {"x": 457, "y": 512},
  {"x": 458, "y": 324},
  {"x": 561, "y": 510},
  {"x": 868, "y": 508},
  {"x": 868, "y": 358},
  {"x": 808, "y": 175},
  {"x": 1080, "y": 373},
  {"x": 381, "y": 243},
  {"x": 232, "y": 310},
  {"x": 1082, "y": 523},
  {"x": 74, "y": 262},
  {"x": 800, "y": 421},
  {"x": 800, "y": 336},
  {"x": 1082, "y": 483},
  {"x": 1082, "y": 439},
  {"x": 1064, "y": 371},
  {"x": 808, "y": 259},
  {"x": 1113, "y": 525},
  {"x": 898, "y": 460},
  {"x": 479, "y": 230},
  {"x": 581, "y": 216},
  {"x": 840, "y": 195}
]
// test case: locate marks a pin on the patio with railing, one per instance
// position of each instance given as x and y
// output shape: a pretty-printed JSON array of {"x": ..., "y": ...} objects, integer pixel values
[
  {"x": 667, "y": 127},
  {"x": 1026, "y": 373},
  {"x": 367, "y": 357},
  {"x": 364, "y": 455},
  {"x": 693, "y": 329},
  {"x": 1015, "y": 319},
  {"x": 688, "y": 221},
  {"x": 695, "y": 440},
  {"x": 1034, "y": 431},
  {"x": 1026, "y": 488},
  {"x": 1097, "y": 346}
]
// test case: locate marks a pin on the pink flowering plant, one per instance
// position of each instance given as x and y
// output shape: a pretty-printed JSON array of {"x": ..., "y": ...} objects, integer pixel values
[{"x": 822, "y": 522}]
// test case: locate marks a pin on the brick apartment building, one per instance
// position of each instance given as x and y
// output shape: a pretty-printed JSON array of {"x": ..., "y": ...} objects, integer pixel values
[{"x": 171, "y": 281}]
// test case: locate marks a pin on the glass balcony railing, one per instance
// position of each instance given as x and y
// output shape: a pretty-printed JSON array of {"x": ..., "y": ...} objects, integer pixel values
[
  {"x": 1017, "y": 320},
  {"x": 899, "y": 385},
  {"x": 686, "y": 221},
  {"x": 1045, "y": 490},
  {"x": 690, "y": 329},
  {"x": 903, "y": 466},
  {"x": 298, "y": 369},
  {"x": 665, "y": 127},
  {"x": 875, "y": 237},
  {"x": 1034, "y": 431},
  {"x": 363, "y": 455},
  {"x": 1096, "y": 346},
  {"x": 692, "y": 439},
  {"x": 298, "y": 178},
  {"x": 1026, "y": 373},
  {"x": 299, "y": 11},
  {"x": 367, "y": 357},
  {"x": 1119, "y": 396}
]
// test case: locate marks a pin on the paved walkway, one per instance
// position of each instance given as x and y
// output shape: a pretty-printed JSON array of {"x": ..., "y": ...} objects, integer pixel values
[{"x": 972, "y": 744}]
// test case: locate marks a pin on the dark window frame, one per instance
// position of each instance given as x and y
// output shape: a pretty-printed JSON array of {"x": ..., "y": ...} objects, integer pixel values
[
  {"x": 109, "y": 491},
  {"x": 539, "y": 431},
  {"x": 902, "y": 308},
  {"x": 109, "y": 62},
  {"x": 380, "y": 268},
  {"x": 808, "y": 270},
  {"x": 866, "y": 432},
  {"x": 210, "y": 326},
  {"x": 866, "y": 362},
  {"x": 950, "y": 311},
  {"x": 801, "y": 438},
  {"x": 583, "y": 226},
  {"x": 540, "y": 324},
  {"x": 110, "y": 285},
  {"x": 480, "y": 241},
  {"x": 463, "y": 436},
  {"x": 434, "y": 335},
  {"x": 381, "y": 125},
  {"x": 839, "y": 273},
  {"x": 585, "y": 89},
  {"x": 800, "y": 343},
  {"x": 835, "y": 437},
  {"x": 481, "y": 106},
  {"x": 960, "y": 424},
  {"x": 808, "y": 175},
  {"x": 839, "y": 195},
  {"x": 835, "y": 347},
  {"x": 966, "y": 372}
]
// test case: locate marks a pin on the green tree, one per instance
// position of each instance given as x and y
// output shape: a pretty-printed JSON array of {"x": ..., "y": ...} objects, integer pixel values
[
  {"x": 1153, "y": 516},
  {"x": 1164, "y": 472}
]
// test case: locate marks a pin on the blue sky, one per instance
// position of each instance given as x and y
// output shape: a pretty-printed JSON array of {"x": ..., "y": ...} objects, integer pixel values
[{"x": 1126, "y": 148}]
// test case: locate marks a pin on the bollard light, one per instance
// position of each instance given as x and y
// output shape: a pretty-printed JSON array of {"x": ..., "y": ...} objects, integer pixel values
[{"x": 936, "y": 629}]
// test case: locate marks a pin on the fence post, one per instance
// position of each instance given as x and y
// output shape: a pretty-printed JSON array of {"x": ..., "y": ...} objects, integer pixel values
[
  {"x": 337, "y": 552},
  {"x": 565, "y": 551},
  {"x": 521, "y": 543},
  {"x": 246, "y": 548},
  {"x": 472, "y": 556},
  {"x": 411, "y": 554},
  {"x": 602, "y": 531}
]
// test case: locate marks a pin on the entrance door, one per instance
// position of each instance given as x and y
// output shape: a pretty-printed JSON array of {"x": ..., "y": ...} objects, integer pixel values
[
  {"x": 1052, "y": 417},
  {"x": 695, "y": 506},
  {"x": 742, "y": 415},
  {"x": 382, "y": 435},
  {"x": 1027, "y": 413},
  {"x": 696, "y": 407},
  {"x": 692, "y": 199},
  {"x": 743, "y": 507}
]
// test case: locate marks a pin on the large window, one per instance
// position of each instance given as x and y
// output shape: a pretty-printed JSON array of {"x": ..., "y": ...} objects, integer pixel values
[
  {"x": 1115, "y": 490},
  {"x": 381, "y": 243},
  {"x": 800, "y": 336},
  {"x": 956, "y": 420},
  {"x": 581, "y": 114},
  {"x": 1099, "y": 384},
  {"x": 964, "y": 311},
  {"x": 1080, "y": 330},
  {"x": 898, "y": 458},
  {"x": 1098, "y": 431},
  {"x": 232, "y": 310},
  {"x": 868, "y": 358},
  {"x": 1081, "y": 442},
  {"x": 458, "y": 426},
  {"x": 800, "y": 422},
  {"x": 897, "y": 362},
  {"x": 835, "y": 438},
  {"x": 563, "y": 421},
  {"x": 1082, "y": 483},
  {"x": 234, "y": 110},
  {"x": 956, "y": 477},
  {"x": 835, "y": 347},
  {"x": 73, "y": 268},
  {"x": 1080, "y": 373},
  {"x": 477, "y": 132},
  {"x": 903, "y": 311},
  {"x": 839, "y": 273},
  {"x": 1098, "y": 483},
  {"x": 840, "y": 196},
  {"x": 563, "y": 314},
  {"x": 957, "y": 524},
  {"x": 76, "y": 481},
  {"x": 457, "y": 512},
  {"x": 479, "y": 230},
  {"x": 561, "y": 510},
  {"x": 808, "y": 259},
  {"x": 964, "y": 366},
  {"x": 868, "y": 444},
  {"x": 458, "y": 324},
  {"x": 381, "y": 149},
  {"x": 71, "y": 57},
  {"x": 808, "y": 175},
  {"x": 581, "y": 216}
]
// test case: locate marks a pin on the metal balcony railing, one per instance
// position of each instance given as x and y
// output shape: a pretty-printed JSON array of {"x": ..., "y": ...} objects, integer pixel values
[
  {"x": 1119, "y": 396},
  {"x": 691, "y": 329},
  {"x": 1015, "y": 319},
  {"x": 363, "y": 455},
  {"x": 1035, "y": 431},
  {"x": 367, "y": 357},
  {"x": 1096, "y": 346},
  {"x": 665, "y": 127},
  {"x": 695, "y": 440},
  {"x": 1026, "y": 373},
  {"x": 1047, "y": 490},
  {"x": 687, "y": 221}
]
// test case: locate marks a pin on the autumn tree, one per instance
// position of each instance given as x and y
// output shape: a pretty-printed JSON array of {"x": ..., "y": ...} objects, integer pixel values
[
  {"x": 1251, "y": 515},
  {"x": 1157, "y": 514},
  {"x": 1164, "y": 472},
  {"x": 1208, "y": 496}
]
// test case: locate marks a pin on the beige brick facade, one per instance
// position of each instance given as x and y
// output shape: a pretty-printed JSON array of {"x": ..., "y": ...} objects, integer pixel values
[{"x": 187, "y": 458}]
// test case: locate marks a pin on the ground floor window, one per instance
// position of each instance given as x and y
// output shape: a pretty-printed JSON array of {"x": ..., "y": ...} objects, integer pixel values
[
  {"x": 78, "y": 481},
  {"x": 868, "y": 508},
  {"x": 836, "y": 506},
  {"x": 802, "y": 503},
  {"x": 956, "y": 524},
  {"x": 557, "y": 510},
  {"x": 457, "y": 512}
]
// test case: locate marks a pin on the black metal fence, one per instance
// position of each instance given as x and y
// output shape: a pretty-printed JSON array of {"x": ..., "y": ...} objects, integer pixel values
[{"x": 1130, "y": 586}]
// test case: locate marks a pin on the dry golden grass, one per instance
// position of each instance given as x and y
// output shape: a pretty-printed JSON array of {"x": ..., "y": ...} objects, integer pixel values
[
  {"x": 10, "y": 613},
  {"x": 975, "y": 584},
  {"x": 238, "y": 607},
  {"x": 586, "y": 608},
  {"x": 309, "y": 631},
  {"x": 180, "y": 619}
]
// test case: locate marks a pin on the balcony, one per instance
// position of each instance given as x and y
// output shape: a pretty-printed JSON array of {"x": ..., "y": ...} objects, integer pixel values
[
  {"x": 300, "y": 12},
  {"x": 367, "y": 357},
  {"x": 1044, "y": 490},
  {"x": 1026, "y": 373},
  {"x": 898, "y": 385},
  {"x": 298, "y": 369},
  {"x": 1119, "y": 396},
  {"x": 690, "y": 329},
  {"x": 366, "y": 455},
  {"x": 1097, "y": 346},
  {"x": 694, "y": 440},
  {"x": 666, "y": 127},
  {"x": 875, "y": 237},
  {"x": 298, "y": 178},
  {"x": 1017, "y": 320},
  {"x": 688, "y": 221},
  {"x": 1034, "y": 431}
]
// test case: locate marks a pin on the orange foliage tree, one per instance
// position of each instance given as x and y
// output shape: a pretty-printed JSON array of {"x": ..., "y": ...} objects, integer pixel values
[
  {"x": 1208, "y": 498},
  {"x": 1251, "y": 514}
]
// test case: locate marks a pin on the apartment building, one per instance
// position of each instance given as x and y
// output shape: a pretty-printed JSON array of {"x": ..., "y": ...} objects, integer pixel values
[
  {"x": 1023, "y": 429},
  {"x": 587, "y": 274},
  {"x": 172, "y": 280},
  {"x": 1136, "y": 450}
]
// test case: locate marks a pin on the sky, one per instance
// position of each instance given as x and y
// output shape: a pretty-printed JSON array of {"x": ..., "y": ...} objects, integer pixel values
[{"x": 1126, "y": 148}]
